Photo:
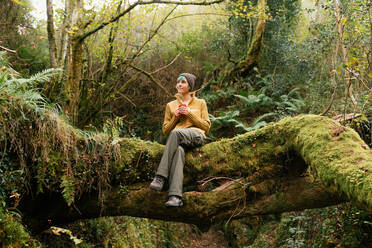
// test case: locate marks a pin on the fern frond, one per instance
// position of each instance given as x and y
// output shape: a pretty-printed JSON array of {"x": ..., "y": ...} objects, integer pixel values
[
  {"x": 44, "y": 76},
  {"x": 293, "y": 91},
  {"x": 261, "y": 117}
]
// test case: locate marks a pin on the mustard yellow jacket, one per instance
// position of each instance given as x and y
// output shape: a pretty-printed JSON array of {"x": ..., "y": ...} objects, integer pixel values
[{"x": 197, "y": 118}]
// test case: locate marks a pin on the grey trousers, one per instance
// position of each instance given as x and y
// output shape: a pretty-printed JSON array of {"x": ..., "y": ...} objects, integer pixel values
[{"x": 173, "y": 159}]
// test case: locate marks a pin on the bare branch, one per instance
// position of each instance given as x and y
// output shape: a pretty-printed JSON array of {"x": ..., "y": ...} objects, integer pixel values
[
  {"x": 210, "y": 179},
  {"x": 132, "y": 6},
  {"x": 331, "y": 102},
  {"x": 195, "y": 14},
  {"x": 7, "y": 49},
  {"x": 359, "y": 78},
  {"x": 151, "y": 35},
  {"x": 334, "y": 79},
  {"x": 151, "y": 78},
  {"x": 166, "y": 66},
  {"x": 128, "y": 99}
]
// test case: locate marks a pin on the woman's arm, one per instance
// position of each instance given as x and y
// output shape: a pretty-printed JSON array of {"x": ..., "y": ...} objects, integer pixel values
[
  {"x": 170, "y": 121},
  {"x": 203, "y": 121}
]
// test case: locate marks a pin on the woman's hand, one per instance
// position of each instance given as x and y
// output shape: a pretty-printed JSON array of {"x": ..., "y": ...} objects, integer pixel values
[
  {"x": 177, "y": 112},
  {"x": 184, "y": 110},
  {"x": 181, "y": 110}
]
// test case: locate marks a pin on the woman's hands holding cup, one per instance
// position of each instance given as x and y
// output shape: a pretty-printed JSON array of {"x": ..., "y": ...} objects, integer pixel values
[{"x": 182, "y": 110}]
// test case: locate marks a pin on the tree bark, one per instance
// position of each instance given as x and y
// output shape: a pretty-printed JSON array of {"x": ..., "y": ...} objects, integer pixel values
[
  {"x": 369, "y": 55},
  {"x": 111, "y": 39},
  {"x": 345, "y": 60},
  {"x": 51, "y": 34},
  {"x": 250, "y": 59},
  {"x": 302, "y": 162},
  {"x": 74, "y": 76}
]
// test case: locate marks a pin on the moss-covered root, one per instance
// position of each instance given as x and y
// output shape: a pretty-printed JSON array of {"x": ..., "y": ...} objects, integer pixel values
[{"x": 335, "y": 154}]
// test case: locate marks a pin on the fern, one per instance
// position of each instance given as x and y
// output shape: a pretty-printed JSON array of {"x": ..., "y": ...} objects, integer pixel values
[
  {"x": 226, "y": 118},
  {"x": 68, "y": 188},
  {"x": 258, "y": 123},
  {"x": 5, "y": 67},
  {"x": 24, "y": 90},
  {"x": 290, "y": 105},
  {"x": 256, "y": 100}
]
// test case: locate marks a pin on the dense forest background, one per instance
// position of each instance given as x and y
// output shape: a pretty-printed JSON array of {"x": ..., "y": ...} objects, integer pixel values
[{"x": 110, "y": 66}]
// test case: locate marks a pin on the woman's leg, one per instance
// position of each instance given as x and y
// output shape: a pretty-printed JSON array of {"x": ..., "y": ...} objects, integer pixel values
[
  {"x": 186, "y": 137},
  {"x": 176, "y": 173},
  {"x": 173, "y": 142}
]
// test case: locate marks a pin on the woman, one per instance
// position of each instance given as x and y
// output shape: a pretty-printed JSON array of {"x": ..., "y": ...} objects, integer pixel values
[{"x": 186, "y": 122}]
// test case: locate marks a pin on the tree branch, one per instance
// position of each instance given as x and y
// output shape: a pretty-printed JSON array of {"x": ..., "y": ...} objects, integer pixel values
[
  {"x": 166, "y": 66},
  {"x": 132, "y": 6},
  {"x": 195, "y": 14},
  {"x": 7, "y": 49},
  {"x": 151, "y": 78}
]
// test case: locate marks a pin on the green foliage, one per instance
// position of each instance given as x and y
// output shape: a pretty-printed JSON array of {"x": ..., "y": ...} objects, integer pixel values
[
  {"x": 38, "y": 137},
  {"x": 24, "y": 90},
  {"x": 68, "y": 188},
  {"x": 21, "y": 33},
  {"x": 10, "y": 176},
  {"x": 126, "y": 232},
  {"x": 12, "y": 232},
  {"x": 289, "y": 105},
  {"x": 258, "y": 102},
  {"x": 114, "y": 127},
  {"x": 17, "y": 97},
  {"x": 255, "y": 99},
  {"x": 337, "y": 226}
]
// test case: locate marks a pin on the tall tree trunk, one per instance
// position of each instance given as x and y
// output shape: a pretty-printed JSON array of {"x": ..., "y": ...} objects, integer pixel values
[
  {"x": 369, "y": 56},
  {"x": 51, "y": 34},
  {"x": 345, "y": 60},
  {"x": 111, "y": 39},
  {"x": 63, "y": 34},
  {"x": 74, "y": 76},
  {"x": 73, "y": 61},
  {"x": 250, "y": 59}
]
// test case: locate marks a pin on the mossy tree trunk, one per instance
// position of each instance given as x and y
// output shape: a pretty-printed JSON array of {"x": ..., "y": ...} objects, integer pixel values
[
  {"x": 249, "y": 60},
  {"x": 302, "y": 162}
]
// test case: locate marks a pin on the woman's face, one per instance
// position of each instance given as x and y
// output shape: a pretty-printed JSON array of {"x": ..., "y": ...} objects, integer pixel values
[{"x": 182, "y": 86}]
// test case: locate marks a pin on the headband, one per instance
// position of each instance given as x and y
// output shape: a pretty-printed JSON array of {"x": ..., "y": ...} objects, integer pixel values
[{"x": 180, "y": 78}]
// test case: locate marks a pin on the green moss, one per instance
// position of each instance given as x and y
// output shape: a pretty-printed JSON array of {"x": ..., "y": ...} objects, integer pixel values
[
  {"x": 12, "y": 232},
  {"x": 126, "y": 232},
  {"x": 322, "y": 143}
]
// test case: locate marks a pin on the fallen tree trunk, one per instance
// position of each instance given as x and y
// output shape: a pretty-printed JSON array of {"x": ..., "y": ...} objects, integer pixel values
[{"x": 303, "y": 162}]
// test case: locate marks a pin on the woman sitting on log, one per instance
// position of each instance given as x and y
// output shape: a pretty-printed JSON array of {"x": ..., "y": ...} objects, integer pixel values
[{"x": 186, "y": 123}]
